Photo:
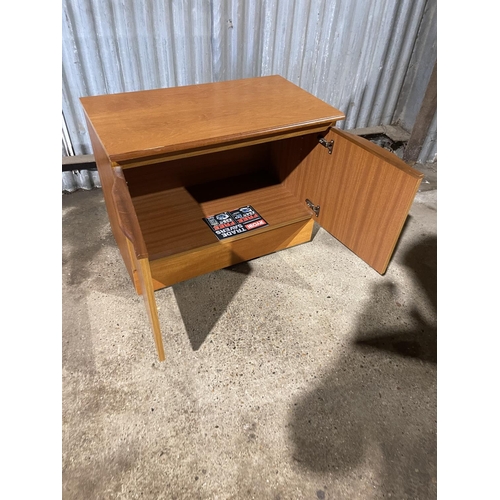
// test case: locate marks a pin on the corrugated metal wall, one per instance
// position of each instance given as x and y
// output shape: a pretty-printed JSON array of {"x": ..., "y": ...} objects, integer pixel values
[
  {"x": 417, "y": 77},
  {"x": 353, "y": 54}
]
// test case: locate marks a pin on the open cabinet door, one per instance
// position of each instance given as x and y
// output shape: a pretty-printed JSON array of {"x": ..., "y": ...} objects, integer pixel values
[{"x": 364, "y": 192}]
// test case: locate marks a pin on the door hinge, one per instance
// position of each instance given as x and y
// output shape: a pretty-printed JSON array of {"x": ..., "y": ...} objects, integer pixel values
[
  {"x": 327, "y": 144},
  {"x": 313, "y": 207}
]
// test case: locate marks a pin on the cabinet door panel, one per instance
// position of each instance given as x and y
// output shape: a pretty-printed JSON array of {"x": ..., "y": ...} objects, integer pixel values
[{"x": 364, "y": 192}]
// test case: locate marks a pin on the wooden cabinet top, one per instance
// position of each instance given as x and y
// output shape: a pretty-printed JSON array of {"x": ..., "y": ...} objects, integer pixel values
[{"x": 146, "y": 123}]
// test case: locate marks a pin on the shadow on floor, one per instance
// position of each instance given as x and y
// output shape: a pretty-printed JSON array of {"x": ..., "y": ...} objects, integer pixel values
[
  {"x": 203, "y": 300},
  {"x": 372, "y": 417},
  {"x": 421, "y": 340}
]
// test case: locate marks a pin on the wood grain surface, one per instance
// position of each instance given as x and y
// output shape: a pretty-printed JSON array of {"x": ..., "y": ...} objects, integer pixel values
[
  {"x": 107, "y": 179},
  {"x": 364, "y": 192},
  {"x": 146, "y": 282},
  {"x": 187, "y": 265},
  {"x": 127, "y": 219},
  {"x": 141, "y": 124},
  {"x": 197, "y": 170},
  {"x": 172, "y": 221}
]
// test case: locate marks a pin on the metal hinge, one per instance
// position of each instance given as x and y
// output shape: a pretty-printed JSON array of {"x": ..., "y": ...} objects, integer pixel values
[
  {"x": 313, "y": 207},
  {"x": 326, "y": 144}
]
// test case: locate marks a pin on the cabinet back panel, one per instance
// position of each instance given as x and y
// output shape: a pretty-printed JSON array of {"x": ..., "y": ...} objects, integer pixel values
[{"x": 195, "y": 170}]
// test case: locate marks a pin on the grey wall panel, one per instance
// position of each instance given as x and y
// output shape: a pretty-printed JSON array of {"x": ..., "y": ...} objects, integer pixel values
[
  {"x": 419, "y": 69},
  {"x": 80, "y": 179},
  {"x": 354, "y": 54},
  {"x": 429, "y": 148}
]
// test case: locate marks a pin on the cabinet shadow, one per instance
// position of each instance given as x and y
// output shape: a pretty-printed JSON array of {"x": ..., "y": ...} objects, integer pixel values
[{"x": 204, "y": 299}]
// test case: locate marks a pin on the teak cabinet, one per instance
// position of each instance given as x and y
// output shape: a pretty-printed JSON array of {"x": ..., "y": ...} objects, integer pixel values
[{"x": 168, "y": 158}]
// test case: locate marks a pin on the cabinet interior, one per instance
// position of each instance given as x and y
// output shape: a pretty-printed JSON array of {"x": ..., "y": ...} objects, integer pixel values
[{"x": 171, "y": 198}]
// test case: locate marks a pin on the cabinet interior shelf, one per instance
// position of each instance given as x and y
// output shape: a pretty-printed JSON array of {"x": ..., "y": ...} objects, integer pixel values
[{"x": 172, "y": 223}]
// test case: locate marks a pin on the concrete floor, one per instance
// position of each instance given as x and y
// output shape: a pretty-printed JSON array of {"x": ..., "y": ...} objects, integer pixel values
[{"x": 302, "y": 374}]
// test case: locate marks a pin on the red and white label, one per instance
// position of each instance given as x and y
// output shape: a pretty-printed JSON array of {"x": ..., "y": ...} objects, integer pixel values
[{"x": 255, "y": 224}]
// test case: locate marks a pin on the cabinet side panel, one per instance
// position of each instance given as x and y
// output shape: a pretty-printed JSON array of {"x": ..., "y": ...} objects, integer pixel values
[
  {"x": 106, "y": 176},
  {"x": 294, "y": 161}
]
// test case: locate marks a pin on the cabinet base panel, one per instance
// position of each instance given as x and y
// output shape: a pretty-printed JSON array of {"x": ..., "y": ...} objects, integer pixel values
[{"x": 174, "y": 269}]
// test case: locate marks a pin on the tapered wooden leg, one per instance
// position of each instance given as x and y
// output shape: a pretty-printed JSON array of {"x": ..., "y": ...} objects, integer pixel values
[{"x": 146, "y": 282}]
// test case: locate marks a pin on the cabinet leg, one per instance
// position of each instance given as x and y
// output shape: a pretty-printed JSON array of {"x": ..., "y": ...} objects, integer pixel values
[{"x": 146, "y": 282}]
